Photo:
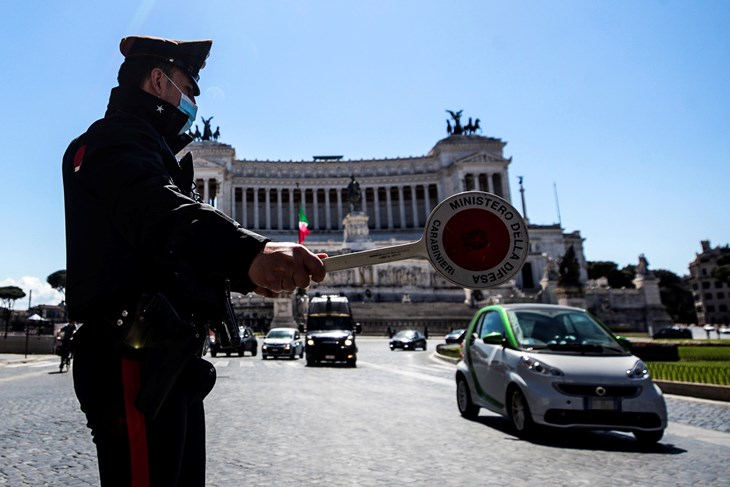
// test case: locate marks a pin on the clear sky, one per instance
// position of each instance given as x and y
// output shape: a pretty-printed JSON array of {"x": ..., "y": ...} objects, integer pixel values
[{"x": 621, "y": 105}]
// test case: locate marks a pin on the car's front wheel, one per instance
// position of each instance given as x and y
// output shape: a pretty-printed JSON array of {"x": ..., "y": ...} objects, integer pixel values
[
  {"x": 648, "y": 437},
  {"x": 519, "y": 411},
  {"x": 463, "y": 399}
]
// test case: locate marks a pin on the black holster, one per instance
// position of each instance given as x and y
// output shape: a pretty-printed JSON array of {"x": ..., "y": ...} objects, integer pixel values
[{"x": 166, "y": 345}]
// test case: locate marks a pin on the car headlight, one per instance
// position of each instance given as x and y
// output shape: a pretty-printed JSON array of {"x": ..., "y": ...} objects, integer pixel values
[
  {"x": 264, "y": 346},
  {"x": 287, "y": 346},
  {"x": 310, "y": 342},
  {"x": 348, "y": 341},
  {"x": 638, "y": 371},
  {"x": 540, "y": 367}
]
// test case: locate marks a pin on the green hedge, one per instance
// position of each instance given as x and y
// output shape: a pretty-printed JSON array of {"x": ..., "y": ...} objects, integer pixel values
[
  {"x": 714, "y": 372},
  {"x": 704, "y": 354}
]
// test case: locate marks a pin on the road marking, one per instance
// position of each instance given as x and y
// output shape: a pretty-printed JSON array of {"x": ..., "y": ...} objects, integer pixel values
[{"x": 409, "y": 373}]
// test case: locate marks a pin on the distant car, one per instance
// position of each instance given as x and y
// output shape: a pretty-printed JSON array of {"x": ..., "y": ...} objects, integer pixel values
[
  {"x": 673, "y": 332},
  {"x": 725, "y": 329},
  {"x": 455, "y": 336},
  {"x": 555, "y": 366},
  {"x": 248, "y": 344},
  {"x": 283, "y": 342},
  {"x": 408, "y": 340}
]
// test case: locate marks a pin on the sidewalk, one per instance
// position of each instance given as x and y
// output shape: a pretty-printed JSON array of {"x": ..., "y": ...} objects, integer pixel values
[{"x": 19, "y": 358}]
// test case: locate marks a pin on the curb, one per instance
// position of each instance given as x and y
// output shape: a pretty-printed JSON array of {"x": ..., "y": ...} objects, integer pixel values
[{"x": 702, "y": 391}]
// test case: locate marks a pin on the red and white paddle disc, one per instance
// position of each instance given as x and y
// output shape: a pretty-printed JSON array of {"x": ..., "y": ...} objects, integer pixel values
[{"x": 474, "y": 239}]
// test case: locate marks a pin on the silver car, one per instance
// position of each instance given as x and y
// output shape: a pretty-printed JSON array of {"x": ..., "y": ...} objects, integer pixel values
[
  {"x": 282, "y": 342},
  {"x": 556, "y": 366}
]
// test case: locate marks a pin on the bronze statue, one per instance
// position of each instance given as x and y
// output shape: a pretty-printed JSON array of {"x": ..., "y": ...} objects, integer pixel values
[
  {"x": 354, "y": 195},
  {"x": 569, "y": 270},
  {"x": 207, "y": 133},
  {"x": 643, "y": 268},
  {"x": 197, "y": 135},
  {"x": 457, "y": 130}
]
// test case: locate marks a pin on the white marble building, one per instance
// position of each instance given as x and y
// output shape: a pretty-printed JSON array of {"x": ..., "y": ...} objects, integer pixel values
[{"x": 397, "y": 196}]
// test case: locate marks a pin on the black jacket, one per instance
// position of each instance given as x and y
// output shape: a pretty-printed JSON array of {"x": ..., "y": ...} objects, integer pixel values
[{"x": 133, "y": 224}]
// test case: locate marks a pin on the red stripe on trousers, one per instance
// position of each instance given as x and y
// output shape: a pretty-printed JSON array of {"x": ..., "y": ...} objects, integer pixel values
[{"x": 135, "y": 425}]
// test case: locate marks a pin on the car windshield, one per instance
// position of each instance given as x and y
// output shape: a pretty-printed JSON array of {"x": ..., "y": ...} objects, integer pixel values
[
  {"x": 329, "y": 323},
  {"x": 280, "y": 334},
  {"x": 405, "y": 334},
  {"x": 562, "y": 331}
]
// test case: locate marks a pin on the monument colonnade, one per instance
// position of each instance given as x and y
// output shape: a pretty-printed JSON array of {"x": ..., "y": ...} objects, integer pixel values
[{"x": 389, "y": 206}]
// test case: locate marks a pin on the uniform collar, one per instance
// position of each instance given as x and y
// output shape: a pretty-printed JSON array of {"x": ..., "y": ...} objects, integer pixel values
[{"x": 163, "y": 116}]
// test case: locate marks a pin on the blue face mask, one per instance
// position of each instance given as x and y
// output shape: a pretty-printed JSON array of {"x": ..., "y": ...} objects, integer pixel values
[{"x": 187, "y": 107}]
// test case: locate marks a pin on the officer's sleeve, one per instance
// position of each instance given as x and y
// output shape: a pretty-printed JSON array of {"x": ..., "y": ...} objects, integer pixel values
[{"x": 124, "y": 167}]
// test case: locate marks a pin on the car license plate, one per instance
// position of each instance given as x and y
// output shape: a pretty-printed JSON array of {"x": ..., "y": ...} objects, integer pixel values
[
  {"x": 601, "y": 404},
  {"x": 329, "y": 357}
]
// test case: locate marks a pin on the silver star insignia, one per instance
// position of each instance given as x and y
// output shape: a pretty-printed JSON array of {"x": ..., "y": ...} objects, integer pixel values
[{"x": 159, "y": 108}]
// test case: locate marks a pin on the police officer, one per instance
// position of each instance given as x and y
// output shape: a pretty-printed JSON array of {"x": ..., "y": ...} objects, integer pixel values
[{"x": 149, "y": 268}]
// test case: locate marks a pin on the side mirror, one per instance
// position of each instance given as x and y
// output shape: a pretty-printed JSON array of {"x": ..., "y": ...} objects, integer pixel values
[
  {"x": 494, "y": 338},
  {"x": 358, "y": 328},
  {"x": 301, "y": 327}
]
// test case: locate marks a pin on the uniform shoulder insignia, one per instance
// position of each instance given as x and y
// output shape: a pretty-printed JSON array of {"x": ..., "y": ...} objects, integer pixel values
[{"x": 79, "y": 157}]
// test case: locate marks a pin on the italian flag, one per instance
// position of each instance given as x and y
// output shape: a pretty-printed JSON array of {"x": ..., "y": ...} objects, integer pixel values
[{"x": 303, "y": 225}]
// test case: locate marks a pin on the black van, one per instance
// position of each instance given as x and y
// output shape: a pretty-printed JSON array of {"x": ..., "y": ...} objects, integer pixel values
[{"x": 331, "y": 331}]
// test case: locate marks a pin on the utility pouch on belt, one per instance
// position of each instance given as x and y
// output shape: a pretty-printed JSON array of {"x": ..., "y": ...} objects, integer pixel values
[
  {"x": 169, "y": 343},
  {"x": 227, "y": 328}
]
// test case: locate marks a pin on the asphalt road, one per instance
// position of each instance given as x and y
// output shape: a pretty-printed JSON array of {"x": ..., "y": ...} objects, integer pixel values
[{"x": 392, "y": 420}]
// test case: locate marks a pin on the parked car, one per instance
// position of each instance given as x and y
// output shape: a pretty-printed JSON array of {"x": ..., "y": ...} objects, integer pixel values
[
  {"x": 455, "y": 336},
  {"x": 282, "y": 342},
  {"x": 673, "y": 332},
  {"x": 408, "y": 340},
  {"x": 249, "y": 343},
  {"x": 555, "y": 366}
]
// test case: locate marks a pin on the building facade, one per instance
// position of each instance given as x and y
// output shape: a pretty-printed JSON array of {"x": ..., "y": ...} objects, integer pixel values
[
  {"x": 398, "y": 195},
  {"x": 711, "y": 295}
]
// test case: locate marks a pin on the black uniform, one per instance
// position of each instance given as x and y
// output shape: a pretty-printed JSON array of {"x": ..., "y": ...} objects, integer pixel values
[{"x": 135, "y": 229}]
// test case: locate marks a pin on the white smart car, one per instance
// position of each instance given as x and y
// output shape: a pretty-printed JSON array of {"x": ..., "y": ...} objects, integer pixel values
[{"x": 556, "y": 366}]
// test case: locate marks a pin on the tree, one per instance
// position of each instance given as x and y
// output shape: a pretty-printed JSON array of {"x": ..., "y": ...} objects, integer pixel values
[
  {"x": 721, "y": 271},
  {"x": 8, "y": 296},
  {"x": 57, "y": 280},
  {"x": 676, "y": 296},
  {"x": 617, "y": 279}
]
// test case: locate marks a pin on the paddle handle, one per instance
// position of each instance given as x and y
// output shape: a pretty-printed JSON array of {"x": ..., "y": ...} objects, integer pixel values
[{"x": 375, "y": 256}]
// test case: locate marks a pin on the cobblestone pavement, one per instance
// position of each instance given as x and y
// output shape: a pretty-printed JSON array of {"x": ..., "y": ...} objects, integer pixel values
[{"x": 390, "y": 421}]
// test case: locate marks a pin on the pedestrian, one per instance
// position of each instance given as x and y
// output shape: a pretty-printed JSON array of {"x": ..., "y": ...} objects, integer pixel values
[{"x": 150, "y": 268}]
